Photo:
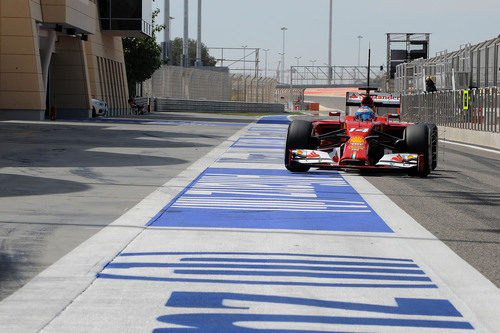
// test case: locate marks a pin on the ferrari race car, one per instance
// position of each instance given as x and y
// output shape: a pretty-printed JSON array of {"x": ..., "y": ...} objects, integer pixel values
[{"x": 362, "y": 141}]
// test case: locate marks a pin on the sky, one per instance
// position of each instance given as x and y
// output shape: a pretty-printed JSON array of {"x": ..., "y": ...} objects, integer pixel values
[{"x": 257, "y": 23}]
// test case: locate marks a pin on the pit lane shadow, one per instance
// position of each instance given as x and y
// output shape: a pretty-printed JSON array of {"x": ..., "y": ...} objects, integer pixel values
[
  {"x": 19, "y": 185},
  {"x": 65, "y": 145}
]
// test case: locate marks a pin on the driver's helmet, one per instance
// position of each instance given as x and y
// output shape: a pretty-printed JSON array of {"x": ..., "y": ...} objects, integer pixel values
[
  {"x": 364, "y": 113},
  {"x": 368, "y": 101}
]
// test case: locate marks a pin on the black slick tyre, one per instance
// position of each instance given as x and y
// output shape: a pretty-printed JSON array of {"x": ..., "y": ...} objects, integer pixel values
[
  {"x": 418, "y": 140},
  {"x": 298, "y": 137}
]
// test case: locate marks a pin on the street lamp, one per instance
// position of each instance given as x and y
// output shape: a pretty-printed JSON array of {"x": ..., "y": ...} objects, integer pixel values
[
  {"x": 199, "y": 62},
  {"x": 265, "y": 69},
  {"x": 330, "y": 28},
  {"x": 298, "y": 58},
  {"x": 359, "y": 49},
  {"x": 185, "y": 42},
  {"x": 244, "y": 70},
  {"x": 284, "y": 29},
  {"x": 244, "y": 58}
]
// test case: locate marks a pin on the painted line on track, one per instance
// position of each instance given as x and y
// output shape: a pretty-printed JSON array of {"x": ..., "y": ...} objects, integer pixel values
[{"x": 470, "y": 146}]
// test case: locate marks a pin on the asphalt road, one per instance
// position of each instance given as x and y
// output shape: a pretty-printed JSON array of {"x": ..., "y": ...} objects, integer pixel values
[
  {"x": 459, "y": 203},
  {"x": 62, "y": 182}
]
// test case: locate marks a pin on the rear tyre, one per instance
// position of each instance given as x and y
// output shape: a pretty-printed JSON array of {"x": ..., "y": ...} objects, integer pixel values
[
  {"x": 94, "y": 113},
  {"x": 433, "y": 130},
  {"x": 418, "y": 140},
  {"x": 298, "y": 137}
]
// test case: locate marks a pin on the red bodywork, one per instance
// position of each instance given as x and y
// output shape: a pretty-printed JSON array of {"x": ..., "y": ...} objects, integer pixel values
[{"x": 356, "y": 146}]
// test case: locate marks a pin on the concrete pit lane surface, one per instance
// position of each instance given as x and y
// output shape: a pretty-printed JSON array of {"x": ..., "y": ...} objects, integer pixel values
[
  {"x": 235, "y": 243},
  {"x": 61, "y": 182}
]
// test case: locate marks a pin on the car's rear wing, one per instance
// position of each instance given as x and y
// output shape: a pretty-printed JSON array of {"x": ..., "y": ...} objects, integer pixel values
[{"x": 380, "y": 99}]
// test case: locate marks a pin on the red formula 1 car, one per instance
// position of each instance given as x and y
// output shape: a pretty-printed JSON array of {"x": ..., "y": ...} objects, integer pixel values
[{"x": 362, "y": 142}]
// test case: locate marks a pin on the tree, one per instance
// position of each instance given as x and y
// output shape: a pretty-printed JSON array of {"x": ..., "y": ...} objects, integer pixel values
[
  {"x": 142, "y": 56},
  {"x": 177, "y": 46}
]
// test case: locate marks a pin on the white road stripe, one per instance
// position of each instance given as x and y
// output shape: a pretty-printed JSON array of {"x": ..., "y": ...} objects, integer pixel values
[{"x": 470, "y": 146}]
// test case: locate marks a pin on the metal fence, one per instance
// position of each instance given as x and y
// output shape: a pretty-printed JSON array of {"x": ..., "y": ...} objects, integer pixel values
[
  {"x": 253, "y": 89},
  {"x": 205, "y": 84},
  {"x": 188, "y": 83},
  {"x": 477, "y": 109},
  {"x": 474, "y": 66}
]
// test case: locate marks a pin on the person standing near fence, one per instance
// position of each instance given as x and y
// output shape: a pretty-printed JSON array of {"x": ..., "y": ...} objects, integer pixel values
[{"x": 429, "y": 85}]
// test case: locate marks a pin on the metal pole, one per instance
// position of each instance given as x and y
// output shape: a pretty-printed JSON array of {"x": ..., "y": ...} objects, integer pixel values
[
  {"x": 265, "y": 69},
  {"x": 185, "y": 50},
  {"x": 167, "y": 56},
  {"x": 244, "y": 70},
  {"x": 369, "y": 58},
  {"x": 257, "y": 63},
  {"x": 199, "y": 62},
  {"x": 284, "y": 29},
  {"x": 244, "y": 58},
  {"x": 298, "y": 58},
  {"x": 359, "y": 49},
  {"x": 330, "y": 28}
]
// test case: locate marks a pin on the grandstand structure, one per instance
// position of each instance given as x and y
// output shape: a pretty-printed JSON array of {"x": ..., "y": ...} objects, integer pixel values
[{"x": 472, "y": 66}]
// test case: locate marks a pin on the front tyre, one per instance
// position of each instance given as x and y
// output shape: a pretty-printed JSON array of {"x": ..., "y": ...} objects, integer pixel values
[
  {"x": 298, "y": 137},
  {"x": 418, "y": 140}
]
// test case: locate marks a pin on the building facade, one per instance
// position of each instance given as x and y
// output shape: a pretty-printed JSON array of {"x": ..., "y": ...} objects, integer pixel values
[{"x": 63, "y": 53}]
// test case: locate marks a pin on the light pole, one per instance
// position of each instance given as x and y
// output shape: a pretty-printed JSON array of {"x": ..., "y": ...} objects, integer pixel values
[
  {"x": 244, "y": 58},
  {"x": 284, "y": 29},
  {"x": 298, "y": 58},
  {"x": 265, "y": 69},
  {"x": 166, "y": 54},
  {"x": 359, "y": 49},
  {"x": 185, "y": 53},
  {"x": 198, "y": 62},
  {"x": 330, "y": 28},
  {"x": 244, "y": 71}
]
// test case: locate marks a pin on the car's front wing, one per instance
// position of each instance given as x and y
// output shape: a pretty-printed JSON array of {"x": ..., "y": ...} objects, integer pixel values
[{"x": 317, "y": 158}]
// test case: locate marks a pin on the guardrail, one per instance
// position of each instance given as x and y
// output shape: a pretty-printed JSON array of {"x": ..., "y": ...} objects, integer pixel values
[
  {"x": 477, "y": 109},
  {"x": 182, "y": 105}
]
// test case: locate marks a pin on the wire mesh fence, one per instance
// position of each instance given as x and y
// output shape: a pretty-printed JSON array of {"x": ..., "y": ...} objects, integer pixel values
[
  {"x": 253, "y": 89},
  {"x": 205, "y": 84},
  {"x": 472, "y": 66},
  {"x": 188, "y": 83},
  {"x": 477, "y": 109}
]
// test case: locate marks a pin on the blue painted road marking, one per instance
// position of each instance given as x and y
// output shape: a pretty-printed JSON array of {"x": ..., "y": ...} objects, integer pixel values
[
  {"x": 404, "y": 306},
  {"x": 425, "y": 309},
  {"x": 271, "y": 199},
  {"x": 283, "y": 120},
  {"x": 269, "y": 269}
]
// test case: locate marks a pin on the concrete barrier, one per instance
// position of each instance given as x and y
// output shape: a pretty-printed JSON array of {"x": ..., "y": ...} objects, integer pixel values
[
  {"x": 480, "y": 138},
  {"x": 181, "y": 105}
]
